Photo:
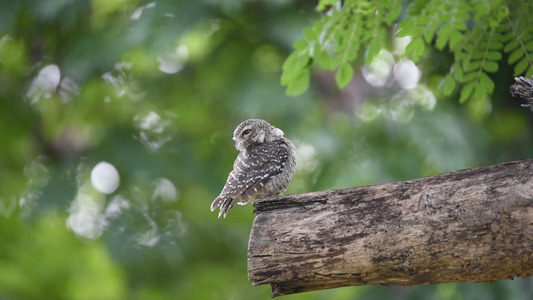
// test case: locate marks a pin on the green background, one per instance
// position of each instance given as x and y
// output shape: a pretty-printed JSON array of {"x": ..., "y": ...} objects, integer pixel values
[{"x": 169, "y": 137}]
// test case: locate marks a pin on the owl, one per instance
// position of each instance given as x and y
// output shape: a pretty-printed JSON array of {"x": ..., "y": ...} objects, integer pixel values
[{"x": 263, "y": 168}]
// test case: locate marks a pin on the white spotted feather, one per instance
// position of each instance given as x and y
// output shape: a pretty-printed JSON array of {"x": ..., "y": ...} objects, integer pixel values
[{"x": 263, "y": 168}]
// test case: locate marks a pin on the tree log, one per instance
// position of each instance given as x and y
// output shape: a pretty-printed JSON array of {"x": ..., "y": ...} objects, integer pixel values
[{"x": 472, "y": 225}]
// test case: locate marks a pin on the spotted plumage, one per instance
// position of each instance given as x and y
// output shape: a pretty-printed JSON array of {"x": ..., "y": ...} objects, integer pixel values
[{"x": 263, "y": 168}]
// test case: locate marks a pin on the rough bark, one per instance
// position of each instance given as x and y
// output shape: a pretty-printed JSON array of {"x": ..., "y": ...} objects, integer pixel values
[
  {"x": 471, "y": 225},
  {"x": 523, "y": 88}
]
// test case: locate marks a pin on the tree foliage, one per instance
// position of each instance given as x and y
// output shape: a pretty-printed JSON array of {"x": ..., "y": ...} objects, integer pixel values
[
  {"x": 156, "y": 88},
  {"x": 478, "y": 34}
]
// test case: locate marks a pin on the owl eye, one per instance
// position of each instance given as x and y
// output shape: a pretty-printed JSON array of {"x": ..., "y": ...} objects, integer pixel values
[{"x": 246, "y": 132}]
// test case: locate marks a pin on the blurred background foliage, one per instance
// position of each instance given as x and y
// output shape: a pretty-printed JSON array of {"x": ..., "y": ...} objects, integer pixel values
[{"x": 155, "y": 89}]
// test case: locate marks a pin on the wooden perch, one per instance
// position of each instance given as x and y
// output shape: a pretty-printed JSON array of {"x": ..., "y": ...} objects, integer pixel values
[{"x": 471, "y": 225}]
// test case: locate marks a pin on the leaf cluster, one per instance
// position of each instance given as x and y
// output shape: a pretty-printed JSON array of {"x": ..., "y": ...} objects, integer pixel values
[
  {"x": 496, "y": 29},
  {"x": 336, "y": 40},
  {"x": 478, "y": 34}
]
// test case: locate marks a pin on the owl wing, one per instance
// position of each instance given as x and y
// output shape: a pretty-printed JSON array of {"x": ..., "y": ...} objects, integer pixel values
[{"x": 251, "y": 172}]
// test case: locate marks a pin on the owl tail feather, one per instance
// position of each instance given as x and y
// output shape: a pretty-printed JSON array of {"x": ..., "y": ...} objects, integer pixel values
[{"x": 225, "y": 205}]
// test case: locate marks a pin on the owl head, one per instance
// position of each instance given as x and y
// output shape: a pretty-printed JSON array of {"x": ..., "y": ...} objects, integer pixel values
[{"x": 255, "y": 131}]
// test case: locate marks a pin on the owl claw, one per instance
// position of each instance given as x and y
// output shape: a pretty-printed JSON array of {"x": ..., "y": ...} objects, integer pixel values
[
  {"x": 225, "y": 206},
  {"x": 216, "y": 203}
]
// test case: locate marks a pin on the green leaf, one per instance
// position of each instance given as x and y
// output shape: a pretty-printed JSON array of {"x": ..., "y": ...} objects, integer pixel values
[
  {"x": 394, "y": 12},
  {"x": 344, "y": 75},
  {"x": 295, "y": 60},
  {"x": 293, "y": 65},
  {"x": 300, "y": 45},
  {"x": 529, "y": 72},
  {"x": 375, "y": 46},
  {"x": 455, "y": 38},
  {"x": 310, "y": 35},
  {"x": 494, "y": 55},
  {"x": 319, "y": 25},
  {"x": 415, "y": 48},
  {"x": 351, "y": 53},
  {"x": 324, "y": 59},
  {"x": 511, "y": 45},
  {"x": 466, "y": 92},
  {"x": 529, "y": 46},
  {"x": 509, "y": 36},
  {"x": 406, "y": 27},
  {"x": 448, "y": 85},
  {"x": 503, "y": 12},
  {"x": 459, "y": 25},
  {"x": 470, "y": 76},
  {"x": 443, "y": 36},
  {"x": 495, "y": 45},
  {"x": 515, "y": 56},
  {"x": 457, "y": 72},
  {"x": 521, "y": 67},
  {"x": 424, "y": 20},
  {"x": 477, "y": 54},
  {"x": 465, "y": 62},
  {"x": 428, "y": 35},
  {"x": 299, "y": 84},
  {"x": 490, "y": 66},
  {"x": 494, "y": 23},
  {"x": 322, "y": 4},
  {"x": 480, "y": 11},
  {"x": 472, "y": 65},
  {"x": 463, "y": 13},
  {"x": 486, "y": 82},
  {"x": 337, "y": 61},
  {"x": 363, "y": 36},
  {"x": 480, "y": 92}
]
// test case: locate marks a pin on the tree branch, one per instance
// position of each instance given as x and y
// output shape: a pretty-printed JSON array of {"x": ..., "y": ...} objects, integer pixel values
[
  {"x": 470, "y": 225},
  {"x": 523, "y": 88}
]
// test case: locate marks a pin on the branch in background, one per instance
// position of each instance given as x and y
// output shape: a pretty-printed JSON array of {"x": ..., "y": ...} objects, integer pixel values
[
  {"x": 523, "y": 88},
  {"x": 471, "y": 225}
]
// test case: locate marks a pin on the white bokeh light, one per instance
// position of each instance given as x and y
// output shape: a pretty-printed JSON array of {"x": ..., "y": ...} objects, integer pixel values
[
  {"x": 116, "y": 206},
  {"x": 152, "y": 130},
  {"x": 150, "y": 237},
  {"x": 368, "y": 111},
  {"x": 423, "y": 97},
  {"x": 45, "y": 83},
  {"x": 105, "y": 178},
  {"x": 68, "y": 88},
  {"x": 173, "y": 62},
  {"x": 151, "y": 122},
  {"x": 401, "y": 108},
  {"x": 165, "y": 190},
  {"x": 406, "y": 74},
  {"x": 399, "y": 45},
  {"x": 307, "y": 161},
  {"x": 136, "y": 15},
  {"x": 124, "y": 84},
  {"x": 379, "y": 71},
  {"x": 85, "y": 218}
]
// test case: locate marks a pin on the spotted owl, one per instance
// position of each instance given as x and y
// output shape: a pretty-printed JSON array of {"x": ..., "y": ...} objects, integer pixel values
[{"x": 263, "y": 168}]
